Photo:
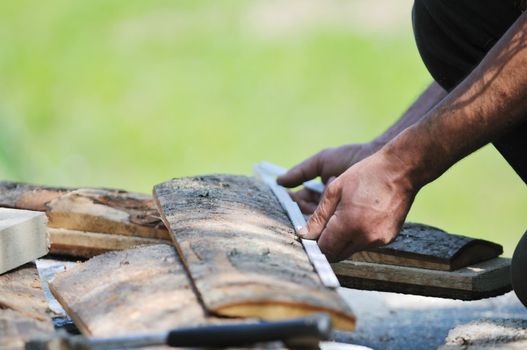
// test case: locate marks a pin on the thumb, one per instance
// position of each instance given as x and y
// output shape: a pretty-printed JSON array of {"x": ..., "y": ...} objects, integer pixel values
[
  {"x": 325, "y": 210},
  {"x": 305, "y": 171}
]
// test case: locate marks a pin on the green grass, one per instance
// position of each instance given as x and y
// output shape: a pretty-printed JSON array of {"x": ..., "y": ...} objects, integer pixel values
[{"x": 130, "y": 93}]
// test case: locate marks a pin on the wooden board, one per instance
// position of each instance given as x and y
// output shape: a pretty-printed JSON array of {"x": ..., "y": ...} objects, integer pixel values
[
  {"x": 482, "y": 280},
  {"x": 23, "y": 308},
  {"x": 89, "y": 244},
  {"x": 92, "y": 210},
  {"x": 23, "y": 237},
  {"x": 242, "y": 252},
  {"x": 431, "y": 248},
  {"x": 139, "y": 290}
]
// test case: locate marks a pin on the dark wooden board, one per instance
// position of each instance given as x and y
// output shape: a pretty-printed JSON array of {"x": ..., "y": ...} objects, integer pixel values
[
  {"x": 428, "y": 247},
  {"x": 241, "y": 250},
  {"x": 23, "y": 308},
  {"x": 486, "y": 279}
]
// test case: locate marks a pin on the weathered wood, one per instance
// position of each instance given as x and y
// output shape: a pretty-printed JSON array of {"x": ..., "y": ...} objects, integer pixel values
[
  {"x": 23, "y": 237},
  {"x": 83, "y": 244},
  {"x": 482, "y": 280},
  {"x": 90, "y": 209},
  {"x": 23, "y": 308},
  {"x": 431, "y": 248},
  {"x": 144, "y": 289},
  {"x": 242, "y": 252}
]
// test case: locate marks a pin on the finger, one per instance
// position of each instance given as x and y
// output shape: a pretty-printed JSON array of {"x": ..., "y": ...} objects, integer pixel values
[
  {"x": 317, "y": 222},
  {"x": 333, "y": 240},
  {"x": 305, "y": 171},
  {"x": 306, "y": 195},
  {"x": 307, "y": 207}
]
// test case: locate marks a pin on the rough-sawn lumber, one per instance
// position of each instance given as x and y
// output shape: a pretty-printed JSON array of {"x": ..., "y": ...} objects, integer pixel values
[
  {"x": 23, "y": 308},
  {"x": 133, "y": 291},
  {"x": 88, "y": 209},
  {"x": 242, "y": 252}
]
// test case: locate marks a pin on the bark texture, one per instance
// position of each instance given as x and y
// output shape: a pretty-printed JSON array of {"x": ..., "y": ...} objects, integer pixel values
[
  {"x": 139, "y": 290},
  {"x": 431, "y": 248},
  {"x": 23, "y": 308},
  {"x": 90, "y": 209},
  {"x": 242, "y": 252}
]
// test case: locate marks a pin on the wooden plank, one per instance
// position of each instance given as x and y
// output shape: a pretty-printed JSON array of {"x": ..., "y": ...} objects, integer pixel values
[
  {"x": 89, "y": 209},
  {"x": 23, "y": 237},
  {"x": 242, "y": 252},
  {"x": 428, "y": 247},
  {"x": 144, "y": 289},
  {"x": 23, "y": 308},
  {"x": 482, "y": 280},
  {"x": 83, "y": 244}
]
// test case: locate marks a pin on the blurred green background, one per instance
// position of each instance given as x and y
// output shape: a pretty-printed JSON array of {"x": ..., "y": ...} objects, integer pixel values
[{"x": 131, "y": 93}]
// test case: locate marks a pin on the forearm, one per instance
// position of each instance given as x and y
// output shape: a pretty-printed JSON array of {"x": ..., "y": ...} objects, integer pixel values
[
  {"x": 424, "y": 103},
  {"x": 490, "y": 101}
]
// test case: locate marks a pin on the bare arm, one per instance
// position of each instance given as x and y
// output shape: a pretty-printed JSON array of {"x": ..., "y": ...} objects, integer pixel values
[
  {"x": 368, "y": 203},
  {"x": 428, "y": 100},
  {"x": 332, "y": 162}
]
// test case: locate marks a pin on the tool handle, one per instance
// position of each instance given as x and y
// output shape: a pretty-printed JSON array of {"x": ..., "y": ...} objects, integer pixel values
[{"x": 314, "y": 328}]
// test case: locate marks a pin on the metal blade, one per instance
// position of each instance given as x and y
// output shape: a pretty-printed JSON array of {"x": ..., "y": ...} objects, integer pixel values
[{"x": 319, "y": 260}]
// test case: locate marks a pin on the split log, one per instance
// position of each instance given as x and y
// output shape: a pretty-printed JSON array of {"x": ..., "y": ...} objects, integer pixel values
[
  {"x": 23, "y": 308},
  {"x": 430, "y": 248},
  {"x": 140, "y": 290},
  {"x": 242, "y": 252},
  {"x": 88, "y": 209},
  {"x": 23, "y": 237}
]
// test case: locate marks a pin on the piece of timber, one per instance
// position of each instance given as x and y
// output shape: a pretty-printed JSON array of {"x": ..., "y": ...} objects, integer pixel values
[
  {"x": 242, "y": 252},
  {"x": 89, "y": 244},
  {"x": 23, "y": 308},
  {"x": 486, "y": 279},
  {"x": 23, "y": 237},
  {"x": 88, "y": 209},
  {"x": 428, "y": 247},
  {"x": 139, "y": 290}
]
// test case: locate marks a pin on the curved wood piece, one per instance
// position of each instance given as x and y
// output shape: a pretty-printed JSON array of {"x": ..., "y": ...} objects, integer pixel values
[{"x": 242, "y": 252}]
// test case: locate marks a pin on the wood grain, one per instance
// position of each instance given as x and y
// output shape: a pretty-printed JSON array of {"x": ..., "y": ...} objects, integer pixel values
[
  {"x": 83, "y": 244},
  {"x": 23, "y": 237},
  {"x": 23, "y": 308},
  {"x": 428, "y": 247},
  {"x": 482, "y": 280},
  {"x": 242, "y": 252},
  {"x": 144, "y": 289},
  {"x": 88, "y": 209}
]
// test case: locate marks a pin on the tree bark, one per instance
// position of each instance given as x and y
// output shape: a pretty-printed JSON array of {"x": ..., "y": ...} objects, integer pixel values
[{"x": 242, "y": 252}]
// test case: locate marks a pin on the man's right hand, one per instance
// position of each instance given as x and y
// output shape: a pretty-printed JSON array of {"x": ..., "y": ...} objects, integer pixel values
[{"x": 328, "y": 164}]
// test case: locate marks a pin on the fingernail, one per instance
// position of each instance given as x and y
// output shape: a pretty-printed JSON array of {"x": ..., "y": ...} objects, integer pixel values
[{"x": 302, "y": 232}]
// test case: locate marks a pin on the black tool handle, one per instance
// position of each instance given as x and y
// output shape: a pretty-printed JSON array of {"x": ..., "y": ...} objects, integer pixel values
[{"x": 317, "y": 327}]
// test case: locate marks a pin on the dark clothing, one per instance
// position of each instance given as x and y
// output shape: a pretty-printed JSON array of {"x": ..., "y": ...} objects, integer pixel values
[{"x": 453, "y": 36}]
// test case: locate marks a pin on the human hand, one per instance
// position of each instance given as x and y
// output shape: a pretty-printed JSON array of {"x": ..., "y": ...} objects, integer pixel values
[
  {"x": 328, "y": 164},
  {"x": 362, "y": 208}
]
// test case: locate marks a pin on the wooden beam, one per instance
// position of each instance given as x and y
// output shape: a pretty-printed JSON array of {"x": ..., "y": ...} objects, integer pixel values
[
  {"x": 23, "y": 308},
  {"x": 88, "y": 209},
  {"x": 23, "y": 237},
  {"x": 138, "y": 290},
  {"x": 482, "y": 280},
  {"x": 431, "y": 248},
  {"x": 242, "y": 252},
  {"x": 84, "y": 244}
]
